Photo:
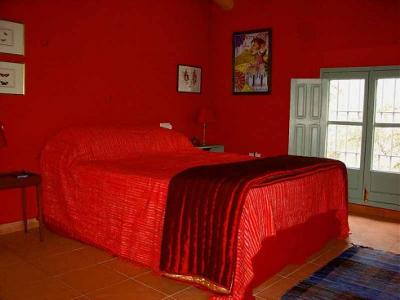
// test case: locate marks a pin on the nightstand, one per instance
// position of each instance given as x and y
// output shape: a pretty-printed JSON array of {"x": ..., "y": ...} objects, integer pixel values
[
  {"x": 212, "y": 148},
  {"x": 22, "y": 180}
]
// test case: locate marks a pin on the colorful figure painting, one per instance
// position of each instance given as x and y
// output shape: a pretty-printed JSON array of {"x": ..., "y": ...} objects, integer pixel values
[{"x": 252, "y": 62}]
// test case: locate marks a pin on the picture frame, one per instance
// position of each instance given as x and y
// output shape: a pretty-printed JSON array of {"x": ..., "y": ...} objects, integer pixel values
[
  {"x": 12, "y": 78},
  {"x": 12, "y": 37},
  {"x": 251, "y": 62},
  {"x": 188, "y": 79}
]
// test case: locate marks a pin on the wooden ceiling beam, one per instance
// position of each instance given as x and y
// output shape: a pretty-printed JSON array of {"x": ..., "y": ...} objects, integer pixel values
[{"x": 225, "y": 4}]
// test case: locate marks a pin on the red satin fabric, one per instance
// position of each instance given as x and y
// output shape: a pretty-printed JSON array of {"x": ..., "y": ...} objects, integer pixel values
[
  {"x": 108, "y": 187},
  {"x": 204, "y": 208}
]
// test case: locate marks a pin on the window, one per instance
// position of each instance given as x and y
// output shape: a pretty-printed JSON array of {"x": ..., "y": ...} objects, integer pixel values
[
  {"x": 346, "y": 100},
  {"x": 345, "y": 117},
  {"x": 344, "y": 143},
  {"x": 387, "y": 100},
  {"x": 386, "y": 138}
]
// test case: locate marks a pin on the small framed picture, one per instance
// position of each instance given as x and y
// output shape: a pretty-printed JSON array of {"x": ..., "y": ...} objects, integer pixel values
[
  {"x": 12, "y": 78},
  {"x": 12, "y": 37},
  {"x": 188, "y": 79},
  {"x": 251, "y": 65}
]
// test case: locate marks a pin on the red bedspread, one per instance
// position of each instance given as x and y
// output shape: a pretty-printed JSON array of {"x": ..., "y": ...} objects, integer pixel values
[
  {"x": 204, "y": 208},
  {"x": 108, "y": 187}
]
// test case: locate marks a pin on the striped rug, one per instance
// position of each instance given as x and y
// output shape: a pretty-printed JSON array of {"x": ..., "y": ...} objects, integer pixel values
[{"x": 358, "y": 273}]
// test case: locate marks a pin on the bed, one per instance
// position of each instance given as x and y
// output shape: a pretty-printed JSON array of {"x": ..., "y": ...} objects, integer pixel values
[{"x": 108, "y": 187}]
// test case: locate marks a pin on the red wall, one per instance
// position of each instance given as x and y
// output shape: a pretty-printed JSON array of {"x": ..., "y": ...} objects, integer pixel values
[
  {"x": 106, "y": 62},
  {"x": 98, "y": 62},
  {"x": 306, "y": 35}
]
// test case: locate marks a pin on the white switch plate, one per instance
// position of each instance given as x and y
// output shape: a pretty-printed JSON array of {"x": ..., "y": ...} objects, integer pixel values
[{"x": 166, "y": 125}]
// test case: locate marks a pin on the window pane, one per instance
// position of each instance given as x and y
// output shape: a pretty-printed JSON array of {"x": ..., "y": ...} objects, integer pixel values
[
  {"x": 346, "y": 100},
  {"x": 344, "y": 143},
  {"x": 386, "y": 151},
  {"x": 387, "y": 100}
]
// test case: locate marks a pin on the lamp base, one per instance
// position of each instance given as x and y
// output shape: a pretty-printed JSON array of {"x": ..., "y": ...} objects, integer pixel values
[{"x": 203, "y": 143}]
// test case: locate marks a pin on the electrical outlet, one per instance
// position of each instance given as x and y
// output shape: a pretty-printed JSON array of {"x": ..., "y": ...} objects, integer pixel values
[{"x": 255, "y": 154}]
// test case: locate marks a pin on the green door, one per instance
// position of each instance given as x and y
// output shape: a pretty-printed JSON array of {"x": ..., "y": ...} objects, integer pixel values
[
  {"x": 382, "y": 163},
  {"x": 306, "y": 125},
  {"x": 346, "y": 96},
  {"x": 363, "y": 130}
]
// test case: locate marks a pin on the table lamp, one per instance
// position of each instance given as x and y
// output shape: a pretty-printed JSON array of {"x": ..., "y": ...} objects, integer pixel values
[
  {"x": 3, "y": 141},
  {"x": 204, "y": 117}
]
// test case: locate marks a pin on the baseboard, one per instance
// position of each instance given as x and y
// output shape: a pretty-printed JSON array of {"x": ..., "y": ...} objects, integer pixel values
[
  {"x": 370, "y": 211},
  {"x": 17, "y": 226}
]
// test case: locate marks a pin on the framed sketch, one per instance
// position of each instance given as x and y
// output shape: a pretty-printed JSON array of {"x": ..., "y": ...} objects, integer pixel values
[
  {"x": 251, "y": 65},
  {"x": 188, "y": 79},
  {"x": 12, "y": 37},
  {"x": 12, "y": 77}
]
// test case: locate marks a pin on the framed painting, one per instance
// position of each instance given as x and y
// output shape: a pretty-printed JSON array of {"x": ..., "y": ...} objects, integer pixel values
[
  {"x": 12, "y": 37},
  {"x": 12, "y": 78},
  {"x": 188, "y": 79},
  {"x": 251, "y": 66}
]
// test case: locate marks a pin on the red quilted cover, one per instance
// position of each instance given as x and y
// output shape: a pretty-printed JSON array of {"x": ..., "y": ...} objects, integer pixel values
[{"x": 108, "y": 187}]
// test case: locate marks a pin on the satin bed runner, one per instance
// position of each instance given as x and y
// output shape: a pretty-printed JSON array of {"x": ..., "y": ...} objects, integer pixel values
[{"x": 203, "y": 210}]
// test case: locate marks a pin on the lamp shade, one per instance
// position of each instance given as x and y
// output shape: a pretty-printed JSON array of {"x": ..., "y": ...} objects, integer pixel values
[
  {"x": 3, "y": 141},
  {"x": 205, "y": 116}
]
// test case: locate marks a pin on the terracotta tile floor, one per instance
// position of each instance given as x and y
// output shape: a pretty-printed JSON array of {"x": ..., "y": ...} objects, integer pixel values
[{"x": 61, "y": 268}]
